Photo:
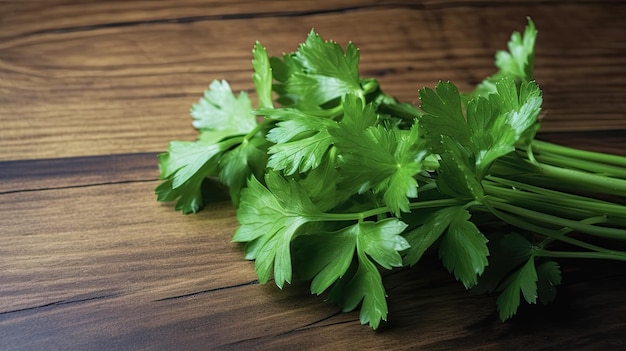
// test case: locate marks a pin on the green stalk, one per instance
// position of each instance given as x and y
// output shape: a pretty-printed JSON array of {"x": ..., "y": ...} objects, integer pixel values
[
  {"x": 430, "y": 163},
  {"x": 554, "y": 234},
  {"x": 436, "y": 203},
  {"x": 390, "y": 105},
  {"x": 581, "y": 164},
  {"x": 582, "y": 180},
  {"x": 618, "y": 256},
  {"x": 258, "y": 128},
  {"x": 554, "y": 199},
  {"x": 542, "y": 146},
  {"x": 605, "y": 232},
  {"x": 548, "y": 193},
  {"x": 354, "y": 216},
  {"x": 565, "y": 231},
  {"x": 538, "y": 202}
]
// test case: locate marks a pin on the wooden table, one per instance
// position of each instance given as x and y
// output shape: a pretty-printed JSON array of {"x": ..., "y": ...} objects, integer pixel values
[{"x": 90, "y": 91}]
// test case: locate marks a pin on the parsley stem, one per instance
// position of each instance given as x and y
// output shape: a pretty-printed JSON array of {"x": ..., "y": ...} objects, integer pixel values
[
  {"x": 353, "y": 216},
  {"x": 581, "y": 164},
  {"x": 565, "y": 231},
  {"x": 258, "y": 128},
  {"x": 430, "y": 163},
  {"x": 541, "y": 146},
  {"x": 582, "y": 180},
  {"x": 555, "y": 234},
  {"x": 605, "y": 232},
  {"x": 436, "y": 203},
  {"x": 369, "y": 86},
  {"x": 405, "y": 111},
  {"x": 609, "y": 255},
  {"x": 555, "y": 200}
]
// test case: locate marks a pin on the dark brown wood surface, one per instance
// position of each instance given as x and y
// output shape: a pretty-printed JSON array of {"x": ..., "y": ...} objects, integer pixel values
[{"x": 90, "y": 91}]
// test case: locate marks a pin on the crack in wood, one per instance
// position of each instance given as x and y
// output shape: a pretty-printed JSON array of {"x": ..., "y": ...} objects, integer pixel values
[
  {"x": 59, "y": 303},
  {"x": 304, "y": 328},
  {"x": 242, "y": 342},
  {"x": 196, "y": 293},
  {"x": 74, "y": 172},
  {"x": 314, "y": 325},
  {"x": 78, "y": 186}
]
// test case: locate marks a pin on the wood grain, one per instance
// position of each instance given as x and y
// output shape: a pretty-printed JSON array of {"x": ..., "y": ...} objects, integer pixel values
[
  {"x": 25, "y": 17},
  {"x": 132, "y": 83},
  {"x": 91, "y": 90},
  {"x": 94, "y": 274},
  {"x": 42, "y": 174},
  {"x": 90, "y": 258}
]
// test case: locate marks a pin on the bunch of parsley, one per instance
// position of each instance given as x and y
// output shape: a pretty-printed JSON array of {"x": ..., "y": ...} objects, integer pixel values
[{"x": 334, "y": 180}]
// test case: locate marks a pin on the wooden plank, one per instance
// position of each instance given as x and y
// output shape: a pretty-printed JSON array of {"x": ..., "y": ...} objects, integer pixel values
[
  {"x": 41, "y": 174},
  {"x": 60, "y": 242},
  {"x": 127, "y": 88},
  {"x": 105, "y": 267},
  {"x": 27, "y": 17},
  {"x": 91, "y": 90}
]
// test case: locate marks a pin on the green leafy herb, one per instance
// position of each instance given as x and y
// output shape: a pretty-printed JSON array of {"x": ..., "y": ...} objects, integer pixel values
[
  {"x": 334, "y": 181},
  {"x": 524, "y": 280},
  {"x": 463, "y": 249},
  {"x": 270, "y": 218}
]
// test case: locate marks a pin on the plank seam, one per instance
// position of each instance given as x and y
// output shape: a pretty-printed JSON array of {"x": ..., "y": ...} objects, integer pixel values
[
  {"x": 78, "y": 186},
  {"x": 304, "y": 13}
]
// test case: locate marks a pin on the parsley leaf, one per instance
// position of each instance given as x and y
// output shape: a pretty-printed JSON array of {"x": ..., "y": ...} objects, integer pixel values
[
  {"x": 262, "y": 76},
  {"x": 245, "y": 160},
  {"x": 189, "y": 196},
  {"x": 184, "y": 167},
  {"x": 184, "y": 158},
  {"x": 492, "y": 129},
  {"x": 328, "y": 254},
  {"x": 548, "y": 278},
  {"x": 325, "y": 256},
  {"x": 301, "y": 140},
  {"x": 356, "y": 114},
  {"x": 321, "y": 183},
  {"x": 269, "y": 218},
  {"x": 519, "y": 60},
  {"x": 328, "y": 72},
  {"x": 463, "y": 249},
  {"x": 380, "y": 159},
  {"x": 443, "y": 115},
  {"x": 497, "y": 124},
  {"x": 318, "y": 72},
  {"x": 219, "y": 109},
  {"x": 381, "y": 241},
  {"x": 524, "y": 280},
  {"x": 517, "y": 63},
  {"x": 506, "y": 252},
  {"x": 424, "y": 236},
  {"x": 221, "y": 118},
  {"x": 457, "y": 174},
  {"x": 282, "y": 69}
]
